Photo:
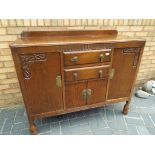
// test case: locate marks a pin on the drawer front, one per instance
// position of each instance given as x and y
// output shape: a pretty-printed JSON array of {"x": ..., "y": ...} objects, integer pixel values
[
  {"x": 97, "y": 72},
  {"x": 87, "y": 57}
]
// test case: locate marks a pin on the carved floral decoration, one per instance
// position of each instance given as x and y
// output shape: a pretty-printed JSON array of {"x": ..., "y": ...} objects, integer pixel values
[
  {"x": 26, "y": 58},
  {"x": 136, "y": 51}
]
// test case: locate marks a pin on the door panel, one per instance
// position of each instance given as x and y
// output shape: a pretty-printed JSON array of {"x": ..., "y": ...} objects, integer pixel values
[
  {"x": 98, "y": 91},
  {"x": 40, "y": 72},
  {"x": 124, "y": 64},
  {"x": 74, "y": 96}
]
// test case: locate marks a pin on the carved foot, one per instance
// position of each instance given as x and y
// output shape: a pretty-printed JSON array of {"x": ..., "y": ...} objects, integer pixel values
[
  {"x": 33, "y": 129},
  {"x": 126, "y": 108}
]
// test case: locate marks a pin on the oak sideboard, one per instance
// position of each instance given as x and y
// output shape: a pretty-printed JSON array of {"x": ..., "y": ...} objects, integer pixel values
[{"x": 66, "y": 71}]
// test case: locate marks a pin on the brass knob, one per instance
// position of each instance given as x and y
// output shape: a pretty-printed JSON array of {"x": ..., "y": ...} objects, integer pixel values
[
  {"x": 101, "y": 57},
  {"x": 101, "y": 73},
  {"x": 74, "y": 59},
  {"x": 75, "y": 75}
]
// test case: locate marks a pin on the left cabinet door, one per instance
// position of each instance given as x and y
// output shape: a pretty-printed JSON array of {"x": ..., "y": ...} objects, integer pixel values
[{"x": 42, "y": 78}]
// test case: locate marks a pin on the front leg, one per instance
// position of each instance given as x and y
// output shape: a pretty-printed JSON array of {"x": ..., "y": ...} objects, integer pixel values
[
  {"x": 126, "y": 108},
  {"x": 33, "y": 128}
]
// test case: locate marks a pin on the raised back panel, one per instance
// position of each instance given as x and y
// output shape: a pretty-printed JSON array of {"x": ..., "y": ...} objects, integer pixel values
[{"x": 92, "y": 33}]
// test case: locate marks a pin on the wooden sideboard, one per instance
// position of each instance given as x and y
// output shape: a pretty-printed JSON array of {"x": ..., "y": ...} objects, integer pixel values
[{"x": 66, "y": 71}]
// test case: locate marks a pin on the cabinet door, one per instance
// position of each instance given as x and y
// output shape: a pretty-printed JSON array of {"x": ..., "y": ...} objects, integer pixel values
[
  {"x": 40, "y": 72},
  {"x": 125, "y": 64},
  {"x": 75, "y": 94},
  {"x": 96, "y": 91}
]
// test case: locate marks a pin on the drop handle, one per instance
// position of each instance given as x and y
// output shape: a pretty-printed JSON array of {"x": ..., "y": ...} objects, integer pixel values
[
  {"x": 58, "y": 81},
  {"x": 84, "y": 94},
  {"x": 75, "y": 59},
  {"x": 112, "y": 73},
  {"x": 89, "y": 92},
  {"x": 75, "y": 76},
  {"x": 100, "y": 73},
  {"x": 101, "y": 57}
]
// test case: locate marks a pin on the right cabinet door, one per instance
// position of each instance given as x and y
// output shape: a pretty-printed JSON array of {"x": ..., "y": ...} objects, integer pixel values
[
  {"x": 124, "y": 65},
  {"x": 96, "y": 91}
]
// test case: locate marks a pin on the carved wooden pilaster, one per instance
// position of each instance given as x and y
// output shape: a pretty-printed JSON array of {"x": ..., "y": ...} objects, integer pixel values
[{"x": 26, "y": 58}]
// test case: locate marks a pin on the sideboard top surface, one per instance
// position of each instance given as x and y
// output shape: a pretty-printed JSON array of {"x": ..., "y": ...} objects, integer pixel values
[{"x": 47, "y": 38}]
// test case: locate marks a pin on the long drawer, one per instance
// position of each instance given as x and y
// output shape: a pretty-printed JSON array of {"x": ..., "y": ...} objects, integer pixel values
[
  {"x": 87, "y": 57},
  {"x": 87, "y": 73}
]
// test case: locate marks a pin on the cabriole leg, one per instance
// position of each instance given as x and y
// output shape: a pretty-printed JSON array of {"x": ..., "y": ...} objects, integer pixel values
[
  {"x": 33, "y": 128},
  {"x": 126, "y": 108}
]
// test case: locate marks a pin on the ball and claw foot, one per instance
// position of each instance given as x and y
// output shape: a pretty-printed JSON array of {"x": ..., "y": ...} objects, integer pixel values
[
  {"x": 33, "y": 129},
  {"x": 126, "y": 108}
]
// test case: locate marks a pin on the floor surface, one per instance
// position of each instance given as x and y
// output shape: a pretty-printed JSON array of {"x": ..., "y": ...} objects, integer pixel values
[{"x": 107, "y": 120}]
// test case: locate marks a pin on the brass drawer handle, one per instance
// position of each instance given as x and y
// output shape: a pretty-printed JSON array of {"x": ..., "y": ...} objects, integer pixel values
[
  {"x": 75, "y": 59},
  {"x": 100, "y": 73},
  {"x": 101, "y": 57},
  {"x": 75, "y": 76}
]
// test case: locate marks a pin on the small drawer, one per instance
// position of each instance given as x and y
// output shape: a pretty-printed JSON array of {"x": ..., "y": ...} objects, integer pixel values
[
  {"x": 87, "y": 57},
  {"x": 97, "y": 72}
]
